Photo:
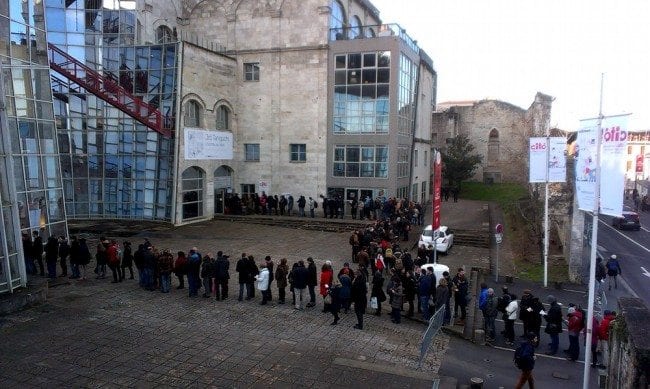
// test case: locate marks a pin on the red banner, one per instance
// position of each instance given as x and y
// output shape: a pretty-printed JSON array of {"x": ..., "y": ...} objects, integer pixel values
[
  {"x": 639, "y": 163},
  {"x": 437, "y": 185}
]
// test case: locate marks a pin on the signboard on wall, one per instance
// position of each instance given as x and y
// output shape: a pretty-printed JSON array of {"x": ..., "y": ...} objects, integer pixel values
[
  {"x": 207, "y": 144},
  {"x": 263, "y": 186}
]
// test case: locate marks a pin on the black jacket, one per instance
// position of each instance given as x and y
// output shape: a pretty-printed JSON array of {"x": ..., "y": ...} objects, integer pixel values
[
  {"x": 243, "y": 270},
  {"x": 299, "y": 277},
  {"x": 312, "y": 280},
  {"x": 221, "y": 268}
]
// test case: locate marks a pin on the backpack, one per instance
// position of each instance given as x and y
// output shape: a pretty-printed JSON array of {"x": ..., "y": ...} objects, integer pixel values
[
  {"x": 315, "y": 204},
  {"x": 612, "y": 265}
]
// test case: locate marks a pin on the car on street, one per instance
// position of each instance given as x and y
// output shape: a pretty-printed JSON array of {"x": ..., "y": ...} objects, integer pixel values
[
  {"x": 443, "y": 236},
  {"x": 438, "y": 269},
  {"x": 628, "y": 220}
]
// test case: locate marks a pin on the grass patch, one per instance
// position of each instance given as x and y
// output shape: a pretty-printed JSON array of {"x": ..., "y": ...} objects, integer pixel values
[
  {"x": 534, "y": 271},
  {"x": 503, "y": 194}
]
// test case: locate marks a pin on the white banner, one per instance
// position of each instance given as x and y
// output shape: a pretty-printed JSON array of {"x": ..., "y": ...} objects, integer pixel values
[
  {"x": 205, "y": 144},
  {"x": 612, "y": 164},
  {"x": 537, "y": 157},
  {"x": 547, "y": 159},
  {"x": 263, "y": 186}
]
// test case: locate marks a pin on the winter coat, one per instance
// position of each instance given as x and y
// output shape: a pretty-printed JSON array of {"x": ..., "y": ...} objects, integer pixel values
[
  {"x": 263, "y": 279},
  {"x": 397, "y": 294},
  {"x": 346, "y": 286},
  {"x": 575, "y": 323},
  {"x": 378, "y": 287},
  {"x": 312, "y": 279},
  {"x": 300, "y": 275},
  {"x": 75, "y": 253},
  {"x": 207, "y": 268},
  {"x": 425, "y": 285},
  {"x": 111, "y": 255},
  {"x": 64, "y": 250},
  {"x": 180, "y": 266},
  {"x": 51, "y": 250},
  {"x": 221, "y": 267},
  {"x": 442, "y": 295},
  {"x": 553, "y": 319},
  {"x": 490, "y": 307},
  {"x": 127, "y": 256},
  {"x": 242, "y": 269},
  {"x": 281, "y": 275},
  {"x": 512, "y": 310},
  {"x": 326, "y": 277},
  {"x": 165, "y": 263},
  {"x": 603, "y": 328}
]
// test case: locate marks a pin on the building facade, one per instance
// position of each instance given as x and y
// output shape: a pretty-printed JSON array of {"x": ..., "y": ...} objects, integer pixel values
[{"x": 498, "y": 131}]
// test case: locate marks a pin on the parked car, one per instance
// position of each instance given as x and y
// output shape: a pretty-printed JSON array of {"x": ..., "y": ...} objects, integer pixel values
[
  {"x": 444, "y": 238},
  {"x": 628, "y": 220},
  {"x": 438, "y": 269}
]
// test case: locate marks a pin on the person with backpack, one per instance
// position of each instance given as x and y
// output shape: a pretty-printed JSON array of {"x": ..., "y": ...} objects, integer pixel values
[
  {"x": 525, "y": 361},
  {"x": 613, "y": 270}
]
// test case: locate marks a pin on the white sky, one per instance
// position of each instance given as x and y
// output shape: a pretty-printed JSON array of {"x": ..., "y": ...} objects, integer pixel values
[{"x": 510, "y": 49}]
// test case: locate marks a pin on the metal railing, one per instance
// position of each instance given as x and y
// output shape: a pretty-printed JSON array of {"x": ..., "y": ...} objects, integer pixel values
[{"x": 435, "y": 324}]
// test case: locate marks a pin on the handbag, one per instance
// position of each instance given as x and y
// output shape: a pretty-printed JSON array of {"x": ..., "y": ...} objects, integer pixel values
[
  {"x": 327, "y": 299},
  {"x": 373, "y": 303}
]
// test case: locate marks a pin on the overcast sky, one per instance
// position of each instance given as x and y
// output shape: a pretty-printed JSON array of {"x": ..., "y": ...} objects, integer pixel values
[{"x": 511, "y": 49}]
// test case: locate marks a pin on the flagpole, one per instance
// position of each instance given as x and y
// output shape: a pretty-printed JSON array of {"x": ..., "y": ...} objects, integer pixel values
[
  {"x": 594, "y": 246},
  {"x": 546, "y": 228}
]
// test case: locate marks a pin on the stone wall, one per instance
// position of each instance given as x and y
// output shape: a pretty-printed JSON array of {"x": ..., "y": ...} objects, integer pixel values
[{"x": 629, "y": 346}]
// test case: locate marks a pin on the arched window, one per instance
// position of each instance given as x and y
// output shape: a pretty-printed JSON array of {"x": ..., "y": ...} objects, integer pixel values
[
  {"x": 164, "y": 35},
  {"x": 192, "y": 114},
  {"x": 355, "y": 28},
  {"x": 493, "y": 146},
  {"x": 192, "y": 192},
  {"x": 223, "y": 118},
  {"x": 369, "y": 32},
  {"x": 337, "y": 21}
]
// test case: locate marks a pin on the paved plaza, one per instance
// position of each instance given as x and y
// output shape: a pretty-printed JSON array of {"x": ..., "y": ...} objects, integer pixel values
[{"x": 97, "y": 334}]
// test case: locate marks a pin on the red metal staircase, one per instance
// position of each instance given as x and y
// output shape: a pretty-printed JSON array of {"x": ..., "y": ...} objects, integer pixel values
[{"x": 109, "y": 90}]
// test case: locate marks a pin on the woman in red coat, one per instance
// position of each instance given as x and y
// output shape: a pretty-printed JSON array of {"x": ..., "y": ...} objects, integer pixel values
[{"x": 326, "y": 276}]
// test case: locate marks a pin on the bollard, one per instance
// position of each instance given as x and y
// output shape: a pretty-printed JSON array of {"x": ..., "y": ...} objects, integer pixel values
[{"x": 476, "y": 383}]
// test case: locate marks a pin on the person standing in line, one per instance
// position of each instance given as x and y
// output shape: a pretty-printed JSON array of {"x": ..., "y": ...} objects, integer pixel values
[
  {"x": 461, "y": 289},
  {"x": 281, "y": 279},
  {"x": 312, "y": 205},
  {"x": 442, "y": 294},
  {"x": 326, "y": 277},
  {"x": 603, "y": 335},
  {"x": 378, "y": 290},
  {"x": 221, "y": 276},
  {"x": 301, "y": 206},
  {"x": 127, "y": 260},
  {"x": 271, "y": 267},
  {"x": 575, "y": 326},
  {"x": 253, "y": 271},
  {"x": 100, "y": 256},
  {"x": 512, "y": 311},
  {"x": 193, "y": 270},
  {"x": 242, "y": 269},
  {"x": 359, "y": 296},
  {"x": 489, "y": 315},
  {"x": 312, "y": 281},
  {"x": 299, "y": 276},
  {"x": 165, "y": 266},
  {"x": 37, "y": 251},
  {"x": 335, "y": 304},
  {"x": 84, "y": 257},
  {"x": 51, "y": 256},
  {"x": 64, "y": 251},
  {"x": 180, "y": 269},
  {"x": 526, "y": 361},
  {"x": 263, "y": 282},
  {"x": 207, "y": 274},
  {"x": 113, "y": 260},
  {"x": 75, "y": 257},
  {"x": 613, "y": 270},
  {"x": 553, "y": 324},
  {"x": 397, "y": 300},
  {"x": 526, "y": 311},
  {"x": 289, "y": 205}
]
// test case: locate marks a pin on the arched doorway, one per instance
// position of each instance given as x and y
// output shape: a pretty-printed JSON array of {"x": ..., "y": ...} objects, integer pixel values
[
  {"x": 192, "y": 192},
  {"x": 223, "y": 192}
]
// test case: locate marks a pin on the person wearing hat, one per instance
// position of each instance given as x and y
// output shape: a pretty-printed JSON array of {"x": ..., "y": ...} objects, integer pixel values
[
  {"x": 613, "y": 270},
  {"x": 553, "y": 324},
  {"x": 525, "y": 361}
]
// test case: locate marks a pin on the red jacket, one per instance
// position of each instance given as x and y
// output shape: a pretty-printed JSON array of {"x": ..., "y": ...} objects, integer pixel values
[
  {"x": 111, "y": 255},
  {"x": 603, "y": 329},
  {"x": 325, "y": 281},
  {"x": 575, "y": 323}
]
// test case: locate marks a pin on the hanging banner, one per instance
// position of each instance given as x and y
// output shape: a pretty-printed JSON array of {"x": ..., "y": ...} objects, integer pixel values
[
  {"x": 612, "y": 164},
  {"x": 204, "y": 144},
  {"x": 437, "y": 185},
  {"x": 546, "y": 159}
]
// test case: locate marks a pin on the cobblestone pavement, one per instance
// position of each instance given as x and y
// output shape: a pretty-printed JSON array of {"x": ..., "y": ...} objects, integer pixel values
[{"x": 97, "y": 334}]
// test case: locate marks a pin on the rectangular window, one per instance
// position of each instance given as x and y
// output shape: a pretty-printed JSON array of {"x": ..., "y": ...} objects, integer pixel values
[
  {"x": 416, "y": 158},
  {"x": 360, "y": 161},
  {"x": 414, "y": 192},
  {"x": 424, "y": 191},
  {"x": 252, "y": 71},
  {"x": 252, "y": 152},
  {"x": 247, "y": 189},
  {"x": 426, "y": 160},
  {"x": 402, "y": 162},
  {"x": 298, "y": 153}
]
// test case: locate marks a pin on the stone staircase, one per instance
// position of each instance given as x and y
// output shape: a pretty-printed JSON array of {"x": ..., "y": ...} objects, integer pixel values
[
  {"x": 295, "y": 222},
  {"x": 472, "y": 238}
]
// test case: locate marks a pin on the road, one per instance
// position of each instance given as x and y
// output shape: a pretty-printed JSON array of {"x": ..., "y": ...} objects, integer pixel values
[{"x": 633, "y": 250}]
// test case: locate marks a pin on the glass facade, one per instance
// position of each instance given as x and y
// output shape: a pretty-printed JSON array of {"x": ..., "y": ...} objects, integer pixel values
[
  {"x": 406, "y": 95},
  {"x": 361, "y": 161},
  {"x": 31, "y": 192},
  {"x": 113, "y": 166},
  {"x": 361, "y": 93}
]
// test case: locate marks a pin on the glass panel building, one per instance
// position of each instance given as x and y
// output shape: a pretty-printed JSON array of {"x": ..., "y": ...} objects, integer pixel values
[
  {"x": 112, "y": 164},
  {"x": 31, "y": 190}
]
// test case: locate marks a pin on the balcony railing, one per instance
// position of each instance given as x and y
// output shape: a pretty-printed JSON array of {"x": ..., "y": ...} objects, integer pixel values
[{"x": 373, "y": 31}]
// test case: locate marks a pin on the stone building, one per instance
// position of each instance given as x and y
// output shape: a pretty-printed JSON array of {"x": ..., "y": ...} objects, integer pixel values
[{"x": 499, "y": 132}]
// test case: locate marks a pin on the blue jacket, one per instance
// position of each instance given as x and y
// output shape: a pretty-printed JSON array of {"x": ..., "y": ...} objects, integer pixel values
[
  {"x": 424, "y": 287},
  {"x": 482, "y": 299}
]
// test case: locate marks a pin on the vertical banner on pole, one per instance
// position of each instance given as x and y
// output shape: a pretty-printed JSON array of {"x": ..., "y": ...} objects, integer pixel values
[
  {"x": 556, "y": 159},
  {"x": 613, "y": 158},
  {"x": 537, "y": 160},
  {"x": 546, "y": 160},
  {"x": 437, "y": 185}
]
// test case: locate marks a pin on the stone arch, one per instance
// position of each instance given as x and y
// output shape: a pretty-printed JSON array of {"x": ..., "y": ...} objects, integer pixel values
[
  {"x": 188, "y": 116},
  {"x": 493, "y": 147},
  {"x": 223, "y": 181},
  {"x": 192, "y": 192}
]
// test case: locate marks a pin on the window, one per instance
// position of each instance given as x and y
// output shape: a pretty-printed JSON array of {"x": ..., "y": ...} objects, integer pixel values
[
  {"x": 493, "y": 147},
  {"x": 192, "y": 114},
  {"x": 414, "y": 192},
  {"x": 164, "y": 35},
  {"x": 298, "y": 153},
  {"x": 360, "y": 161},
  {"x": 337, "y": 21},
  {"x": 355, "y": 28},
  {"x": 416, "y": 158},
  {"x": 247, "y": 189},
  {"x": 424, "y": 191},
  {"x": 252, "y": 71},
  {"x": 223, "y": 118},
  {"x": 192, "y": 188},
  {"x": 402, "y": 162},
  {"x": 252, "y": 152},
  {"x": 426, "y": 158}
]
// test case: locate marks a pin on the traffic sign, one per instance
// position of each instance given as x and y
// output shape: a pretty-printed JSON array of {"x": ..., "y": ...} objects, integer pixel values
[
  {"x": 498, "y": 237},
  {"x": 499, "y": 228}
]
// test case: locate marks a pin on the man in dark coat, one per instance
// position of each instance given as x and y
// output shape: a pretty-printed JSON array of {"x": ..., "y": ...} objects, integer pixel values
[
  {"x": 207, "y": 274},
  {"x": 299, "y": 276},
  {"x": 242, "y": 269},
  {"x": 359, "y": 296},
  {"x": 37, "y": 251},
  {"x": 253, "y": 271},
  {"x": 312, "y": 281},
  {"x": 221, "y": 275},
  {"x": 51, "y": 256},
  {"x": 525, "y": 310},
  {"x": 553, "y": 324},
  {"x": 64, "y": 251},
  {"x": 27, "y": 253}
]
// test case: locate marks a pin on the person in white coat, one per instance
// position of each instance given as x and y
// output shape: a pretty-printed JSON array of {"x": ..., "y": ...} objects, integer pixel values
[
  {"x": 512, "y": 312},
  {"x": 262, "y": 280}
]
